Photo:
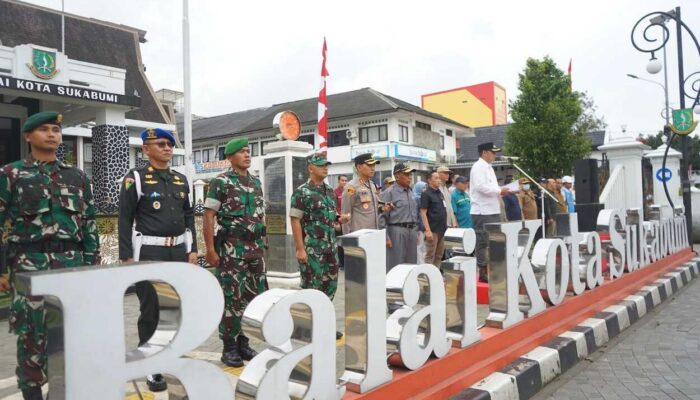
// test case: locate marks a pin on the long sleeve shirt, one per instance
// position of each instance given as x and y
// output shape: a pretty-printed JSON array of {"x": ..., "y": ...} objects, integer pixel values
[{"x": 484, "y": 191}]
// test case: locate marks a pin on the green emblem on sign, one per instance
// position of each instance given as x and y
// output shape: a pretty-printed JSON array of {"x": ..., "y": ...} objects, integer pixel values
[
  {"x": 43, "y": 64},
  {"x": 683, "y": 123}
]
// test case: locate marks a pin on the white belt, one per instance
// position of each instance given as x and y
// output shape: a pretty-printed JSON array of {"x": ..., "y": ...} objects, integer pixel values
[{"x": 169, "y": 241}]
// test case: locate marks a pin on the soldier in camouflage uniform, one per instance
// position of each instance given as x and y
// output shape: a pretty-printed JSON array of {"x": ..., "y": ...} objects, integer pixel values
[
  {"x": 52, "y": 225},
  {"x": 235, "y": 199},
  {"x": 314, "y": 221}
]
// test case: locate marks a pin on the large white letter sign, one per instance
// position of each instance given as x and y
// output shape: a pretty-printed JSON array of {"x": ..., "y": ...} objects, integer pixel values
[
  {"x": 593, "y": 259},
  {"x": 414, "y": 347},
  {"x": 613, "y": 222},
  {"x": 507, "y": 270},
  {"x": 567, "y": 230},
  {"x": 544, "y": 258},
  {"x": 269, "y": 316},
  {"x": 95, "y": 356},
  {"x": 365, "y": 310},
  {"x": 461, "y": 308}
]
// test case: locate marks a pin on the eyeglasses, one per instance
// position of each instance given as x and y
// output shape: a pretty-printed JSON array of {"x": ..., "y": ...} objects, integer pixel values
[{"x": 162, "y": 145}]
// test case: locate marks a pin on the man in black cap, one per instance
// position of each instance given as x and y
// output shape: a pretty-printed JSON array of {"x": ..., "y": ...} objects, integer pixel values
[
  {"x": 156, "y": 199},
  {"x": 361, "y": 195},
  {"x": 486, "y": 207},
  {"x": 401, "y": 224}
]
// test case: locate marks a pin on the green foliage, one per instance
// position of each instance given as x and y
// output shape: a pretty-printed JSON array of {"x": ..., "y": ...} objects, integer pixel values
[{"x": 547, "y": 132}]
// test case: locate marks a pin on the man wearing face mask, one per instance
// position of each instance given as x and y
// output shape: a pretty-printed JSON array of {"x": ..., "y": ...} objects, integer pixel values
[{"x": 528, "y": 200}]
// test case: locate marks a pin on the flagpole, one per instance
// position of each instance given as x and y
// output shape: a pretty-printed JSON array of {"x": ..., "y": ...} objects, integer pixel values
[
  {"x": 189, "y": 173},
  {"x": 63, "y": 26}
]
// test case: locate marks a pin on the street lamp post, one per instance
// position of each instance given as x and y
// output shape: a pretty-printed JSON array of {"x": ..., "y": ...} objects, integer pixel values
[
  {"x": 651, "y": 45},
  {"x": 663, "y": 87}
]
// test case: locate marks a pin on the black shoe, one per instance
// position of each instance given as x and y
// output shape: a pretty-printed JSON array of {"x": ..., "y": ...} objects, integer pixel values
[
  {"x": 33, "y": 393},
  {"x": 156, "y": 383},
  {"x": 230, "y": 356},
  {"x": 338, "y": 335},
  {"x": 247, "y": 353}
]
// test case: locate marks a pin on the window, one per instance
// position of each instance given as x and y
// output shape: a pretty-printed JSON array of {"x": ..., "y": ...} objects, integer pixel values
[
  {"x": 197, "y": 156},
  {"x": 338, "y": 138},
  {"x": 207, "y": 155},
  {"x": 87, "y": 157},
  {"x": 222, "y": 156},
  {"x": 262, "y": 146},
  {"x": 423, "y": 125},
  {"x": 442, "y": 142},
  {"x": 307, "y": 138},
  {"x": 254, "y": 149},
  {"x": 373, "y": 134},
  {"x": 177, "y": 160},
  {"x": 448, "y": 132},
  {"x": 403, "y": 133}
]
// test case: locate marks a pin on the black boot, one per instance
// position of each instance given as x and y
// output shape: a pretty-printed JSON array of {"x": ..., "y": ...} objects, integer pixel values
[
  {"x": 247, "y": 353},
  {"x": 230, "y": 356},
  {"x": 156, "y": 383},
  {"x": 33, "y": 393}
]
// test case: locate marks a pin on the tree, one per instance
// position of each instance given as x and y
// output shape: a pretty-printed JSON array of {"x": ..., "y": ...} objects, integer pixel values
[
  {"x": 545, "y": 116},
  {"x": 588, "y": 121}
]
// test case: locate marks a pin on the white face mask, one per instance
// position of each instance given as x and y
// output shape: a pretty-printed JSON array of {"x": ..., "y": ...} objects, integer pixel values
[{"x": 526, "y": 187}]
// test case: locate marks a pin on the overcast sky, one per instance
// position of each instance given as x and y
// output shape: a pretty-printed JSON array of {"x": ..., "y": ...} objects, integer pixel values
[{"x": 248, "y": 54}]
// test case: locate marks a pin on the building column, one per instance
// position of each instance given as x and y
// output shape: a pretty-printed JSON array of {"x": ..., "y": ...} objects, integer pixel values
[
  {"x": 673, "y": 184},
  {"x": 627, "y": 152},
  {"x": 110, "y": 155}
]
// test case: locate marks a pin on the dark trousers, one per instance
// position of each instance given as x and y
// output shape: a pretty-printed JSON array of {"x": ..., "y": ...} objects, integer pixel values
[
  {"x": 482, "y": 238},
  {"x": 148, "y": 298}
]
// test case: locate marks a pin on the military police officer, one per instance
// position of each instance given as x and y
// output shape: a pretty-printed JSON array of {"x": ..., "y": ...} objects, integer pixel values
[
  {"x": 157, "y": 199},
  {"x": 361, "y": 196},
  {"x": 235, "y": 199},
  {"x": 314, "y": 221},
  {"x": 52, "y": 225},
  {"x": 401, "y": 222}
]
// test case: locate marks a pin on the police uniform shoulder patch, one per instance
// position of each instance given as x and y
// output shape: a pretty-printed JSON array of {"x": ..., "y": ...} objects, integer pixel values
[{"x": 351, "y": 190}]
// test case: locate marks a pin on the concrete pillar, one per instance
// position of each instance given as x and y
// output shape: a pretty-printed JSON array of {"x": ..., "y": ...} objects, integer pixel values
[
  {"x": 110, "y": 154},
  {"x": 673, "y": 164},
  {"x": 199, "y": 191},
  {"x": 627, "y": 152}
]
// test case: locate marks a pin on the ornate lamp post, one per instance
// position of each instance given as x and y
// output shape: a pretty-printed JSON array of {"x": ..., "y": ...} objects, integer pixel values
[{"x": 646, "y": 41}]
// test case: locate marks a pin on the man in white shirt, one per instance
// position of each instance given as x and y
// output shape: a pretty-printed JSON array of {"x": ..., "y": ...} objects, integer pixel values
[{"x": 486, "y": 207}]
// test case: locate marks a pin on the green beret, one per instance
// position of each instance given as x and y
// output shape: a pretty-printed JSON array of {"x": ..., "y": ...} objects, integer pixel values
[
  {"x": 234, "y": 145},
  {"x": 44, "y": 117},
  {"x": 318, "y": 159}
]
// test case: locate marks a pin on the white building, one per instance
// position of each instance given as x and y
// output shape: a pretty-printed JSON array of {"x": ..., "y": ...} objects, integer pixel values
[{"x": 359, "y": 121}]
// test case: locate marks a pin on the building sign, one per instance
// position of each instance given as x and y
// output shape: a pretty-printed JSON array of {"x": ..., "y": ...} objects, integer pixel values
[
  {"x": 211, "y": 166},
  {"x": 414, "y": 153},
  {"x": 298, "y": 327},
  {"x": 378, "y": 151},
  {"x": 43, "y": 63},
  {"x": 24, "y": 85}
]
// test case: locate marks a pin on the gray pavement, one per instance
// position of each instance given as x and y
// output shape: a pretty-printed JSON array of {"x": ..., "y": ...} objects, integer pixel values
[{"x": 656, "y": 358}]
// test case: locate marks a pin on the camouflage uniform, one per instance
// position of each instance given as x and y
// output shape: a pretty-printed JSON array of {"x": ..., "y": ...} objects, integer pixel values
[
  {"x": 52, "y": 226},
  {"x": 316, "y": 208},
  {"x": 238, "y": 201}
]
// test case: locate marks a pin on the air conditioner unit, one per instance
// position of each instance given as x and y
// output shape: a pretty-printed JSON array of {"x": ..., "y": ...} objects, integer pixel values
[{"x": 350, "y": 134}]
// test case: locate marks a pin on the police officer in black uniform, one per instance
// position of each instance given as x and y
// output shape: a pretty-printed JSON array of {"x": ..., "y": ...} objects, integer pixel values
[{"x": 156, "y": 198}]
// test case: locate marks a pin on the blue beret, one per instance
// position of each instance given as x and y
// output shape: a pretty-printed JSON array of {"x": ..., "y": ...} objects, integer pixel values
[{"x": 157, "y": 133}]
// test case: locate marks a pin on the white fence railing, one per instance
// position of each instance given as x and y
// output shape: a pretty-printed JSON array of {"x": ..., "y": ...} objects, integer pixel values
[{"x": 613, "y": 195}]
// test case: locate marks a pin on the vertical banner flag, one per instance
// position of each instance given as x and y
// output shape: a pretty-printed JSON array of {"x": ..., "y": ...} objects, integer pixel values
[
  {"x": 570, "y": 82},
  {"x": 323, "y": 105}
]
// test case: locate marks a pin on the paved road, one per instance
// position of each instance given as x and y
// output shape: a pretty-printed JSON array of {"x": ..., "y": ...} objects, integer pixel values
[{"x": 656, "y": 358}]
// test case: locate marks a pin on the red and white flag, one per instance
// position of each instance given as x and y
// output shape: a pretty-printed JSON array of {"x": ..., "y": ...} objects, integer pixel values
[
  {"x": 570, "y": 81},
  {"x": 323, "y": 105}
]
